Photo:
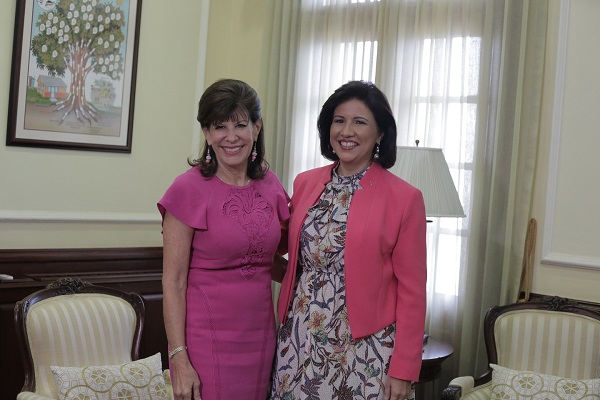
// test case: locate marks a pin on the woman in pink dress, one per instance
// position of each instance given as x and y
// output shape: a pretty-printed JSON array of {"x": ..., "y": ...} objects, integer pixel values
[{"x": 222, "y": 227}]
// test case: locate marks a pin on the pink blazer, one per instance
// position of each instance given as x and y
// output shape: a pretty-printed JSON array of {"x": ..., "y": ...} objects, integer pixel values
[{"x": 385, "y": 259}]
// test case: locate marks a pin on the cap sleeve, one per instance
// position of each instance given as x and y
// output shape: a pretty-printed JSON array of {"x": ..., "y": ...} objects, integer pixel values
[{"x": 186, "y": 200}]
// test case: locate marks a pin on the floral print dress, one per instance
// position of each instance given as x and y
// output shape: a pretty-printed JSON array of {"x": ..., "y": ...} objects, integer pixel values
[{"x": 317, "y": 357}]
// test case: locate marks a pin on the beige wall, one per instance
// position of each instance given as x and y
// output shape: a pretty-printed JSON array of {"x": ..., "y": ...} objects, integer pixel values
[
  {"x": 566, "y": 187},
  {"x": 235, "y": 41},
  {"x": 64, "y": 198}
]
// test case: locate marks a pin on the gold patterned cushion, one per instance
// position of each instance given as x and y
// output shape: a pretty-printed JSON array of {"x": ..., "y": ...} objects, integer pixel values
[
  {"x": 508, "y": 384},
  {"x": 136, "y": 380}
]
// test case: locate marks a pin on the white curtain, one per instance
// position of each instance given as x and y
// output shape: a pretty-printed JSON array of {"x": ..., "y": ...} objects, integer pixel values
[{"x": 461, "y": 75}]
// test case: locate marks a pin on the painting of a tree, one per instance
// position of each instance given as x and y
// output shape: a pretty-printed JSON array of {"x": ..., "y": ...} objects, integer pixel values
[
  {"x": 80, "y": 36},
  {"x": 73, "y": 74}
]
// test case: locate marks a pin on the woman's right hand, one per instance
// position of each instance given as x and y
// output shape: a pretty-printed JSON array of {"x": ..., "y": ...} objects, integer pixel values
[{"x": 185, "y": 381}]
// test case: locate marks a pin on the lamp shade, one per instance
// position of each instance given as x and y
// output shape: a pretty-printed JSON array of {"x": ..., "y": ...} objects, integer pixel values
[{"x": 426, "y": 169}]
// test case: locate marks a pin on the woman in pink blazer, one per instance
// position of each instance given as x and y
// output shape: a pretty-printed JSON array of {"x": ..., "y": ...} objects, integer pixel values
[{"x": 352, "y": 303}]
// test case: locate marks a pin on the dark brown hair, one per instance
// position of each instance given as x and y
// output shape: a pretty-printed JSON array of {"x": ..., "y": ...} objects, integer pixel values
[
  {"x": 227, "y": 100},
  {"x": 377, "y": 103}
]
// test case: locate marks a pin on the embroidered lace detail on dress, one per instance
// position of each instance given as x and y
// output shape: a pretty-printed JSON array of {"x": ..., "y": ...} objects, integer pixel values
[{"x": 248, "y": 208}]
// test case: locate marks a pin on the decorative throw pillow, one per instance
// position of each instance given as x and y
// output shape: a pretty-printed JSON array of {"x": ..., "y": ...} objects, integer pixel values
[
  {"x": 137, "y": 380},
  {"x": 508, "y": 384}
]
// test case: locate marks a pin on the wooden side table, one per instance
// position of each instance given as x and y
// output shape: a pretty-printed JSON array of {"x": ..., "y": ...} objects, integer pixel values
[{"x": 434, "y": 353}]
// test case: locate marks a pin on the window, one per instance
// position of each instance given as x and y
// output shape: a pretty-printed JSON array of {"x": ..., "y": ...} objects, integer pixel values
[{"x": 426, "y": 58}]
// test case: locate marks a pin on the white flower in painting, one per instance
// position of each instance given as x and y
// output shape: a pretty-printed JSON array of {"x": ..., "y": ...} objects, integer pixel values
[
  {"x": 42, "y": 28},
  {"x": 60, "y": 32},
  {"x": 55, "y": 20},
  {"x": 116, "y": 45},
  {"x": 101, "y": 28},
  {"x": 44, "y": 48},
  {"x": 111, "y": 37},
  {"x": 107, "y": 20},
  {"x": 72, "y": 6},
  {"x": 115, "y": 75},
  {"x": 87, "y": 26},
  {"x": 60, "y": 40},
  {"x": 66, "y": 38},
  {"x": 95, "y": 31},
  {"x": 73, "y": 21},
  {"x": 48, "y": 31},
  {"x": 54, "y": 54},
  {"x": 111, "y": 57},
  {"x": 110, "y": 67},
  {"x": 69, "y": 15},
  {"x": 104, "y": 68},
  {"x": 84, "y": 17},
  {"x": 106, "y": 45},
  {"x": 112, "y": 16},
  {"x": 67, "y": 28},
  {"x": 50, "y": 15},
  {"x": 62, "y": 24},
  {"x": 107, "y": 9},
  {"x": 101, "y": 61},
  {"x": 76, "y": 13},
  {"x": 82, "y": 8},
  {"x": 119, "y": 17},
  {"x": 91, "y": 17},
  {"x": 48, "y": 23},
  {"x": 117, "y": 58},
  {"x": 100, "y": 41},
  {"x": 89, "y": 8},
  {"x": 54, "y": 29},
  {"x": 94, "y": 3},
  {"x": 99, "y": 18},
  {"x": 76, "y": 29}
]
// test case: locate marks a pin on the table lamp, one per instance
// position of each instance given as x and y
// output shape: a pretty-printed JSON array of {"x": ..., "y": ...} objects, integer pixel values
[{"x": 426, "y": 169}]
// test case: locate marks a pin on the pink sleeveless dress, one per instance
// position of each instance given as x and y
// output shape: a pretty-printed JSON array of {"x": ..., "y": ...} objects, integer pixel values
[{"x": 230, "y": 326}]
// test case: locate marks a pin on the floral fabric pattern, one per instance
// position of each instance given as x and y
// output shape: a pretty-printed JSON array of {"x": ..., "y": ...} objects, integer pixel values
[{"x": 317, "y": 357}]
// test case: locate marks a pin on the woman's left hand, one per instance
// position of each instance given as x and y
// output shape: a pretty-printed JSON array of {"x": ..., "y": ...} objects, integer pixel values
[{"x": 396, "y": 389}]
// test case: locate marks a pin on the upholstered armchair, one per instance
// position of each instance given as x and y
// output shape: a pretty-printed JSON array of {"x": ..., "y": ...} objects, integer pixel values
[
  {"x": 80, "y": 340},
  {"x": 542, "y": 346}
]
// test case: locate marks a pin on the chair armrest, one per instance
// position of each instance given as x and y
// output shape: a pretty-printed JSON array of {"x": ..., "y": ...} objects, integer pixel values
[
  {"x": 457, "y": 387},
  {"x": 32, "y": 396}
]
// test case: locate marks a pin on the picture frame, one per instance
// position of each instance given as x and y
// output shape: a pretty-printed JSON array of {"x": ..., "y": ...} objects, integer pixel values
[{"x": 73, "y": 74}]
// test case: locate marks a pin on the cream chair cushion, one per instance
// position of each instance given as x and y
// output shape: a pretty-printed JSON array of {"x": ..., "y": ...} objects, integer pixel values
[
  {"x": 140, "y": 380},
  {"x": 508, "y": 384}
]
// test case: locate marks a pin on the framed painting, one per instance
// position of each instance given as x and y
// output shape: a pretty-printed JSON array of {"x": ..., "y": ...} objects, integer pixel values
[{"x": 73, "y": 74}]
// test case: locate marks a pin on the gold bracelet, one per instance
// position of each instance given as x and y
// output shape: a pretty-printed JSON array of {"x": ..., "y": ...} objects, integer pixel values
[{"x": 176, "y": 350}]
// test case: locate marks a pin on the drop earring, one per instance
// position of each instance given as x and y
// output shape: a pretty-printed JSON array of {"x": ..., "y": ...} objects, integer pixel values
[
  {"x": 254, "y": 153},
  {"x": 376, "y": 156},
  {"x": 208, "y": 157}
]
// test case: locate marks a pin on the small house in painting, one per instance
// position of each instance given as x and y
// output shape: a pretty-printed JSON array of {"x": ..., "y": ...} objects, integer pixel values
[{"x": 51, "y": 87}]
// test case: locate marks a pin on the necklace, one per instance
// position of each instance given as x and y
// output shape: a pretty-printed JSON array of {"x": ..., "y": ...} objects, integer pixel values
[{"x": 233, "y": 183}]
